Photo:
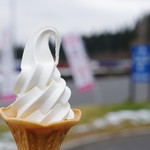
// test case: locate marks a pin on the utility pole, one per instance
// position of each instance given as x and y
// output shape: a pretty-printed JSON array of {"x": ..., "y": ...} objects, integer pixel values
[{"x": 12, "y": 23}]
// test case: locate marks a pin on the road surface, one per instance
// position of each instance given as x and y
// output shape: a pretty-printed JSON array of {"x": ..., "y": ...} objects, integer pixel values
[
  {"x": 107, "y": 90},
  {"x": 141, "y": 142}
]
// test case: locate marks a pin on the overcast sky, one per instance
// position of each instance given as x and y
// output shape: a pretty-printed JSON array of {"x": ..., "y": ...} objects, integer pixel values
[{"x": 79, "y": 16}]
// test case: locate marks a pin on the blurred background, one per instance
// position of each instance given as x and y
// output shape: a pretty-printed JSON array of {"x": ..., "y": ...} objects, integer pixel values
[{"x": 108, "y": 72}]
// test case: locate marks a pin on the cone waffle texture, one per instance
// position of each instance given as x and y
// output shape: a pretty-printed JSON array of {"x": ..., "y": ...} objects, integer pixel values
[{"x": 35, "y": 136}]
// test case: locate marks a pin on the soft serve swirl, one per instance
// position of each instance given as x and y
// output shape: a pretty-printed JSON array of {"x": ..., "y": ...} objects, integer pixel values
[{"x": 42, "y": 95}]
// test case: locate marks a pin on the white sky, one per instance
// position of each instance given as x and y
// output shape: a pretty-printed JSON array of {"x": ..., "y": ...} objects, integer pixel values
[{"x": 80, "y": 16}]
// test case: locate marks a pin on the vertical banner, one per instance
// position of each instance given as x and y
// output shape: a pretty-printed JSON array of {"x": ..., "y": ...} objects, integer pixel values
[
  {"x": 141, "y": 63},
  {"x": 79, "y": 62},
  {"x": 7, "y": 68}
]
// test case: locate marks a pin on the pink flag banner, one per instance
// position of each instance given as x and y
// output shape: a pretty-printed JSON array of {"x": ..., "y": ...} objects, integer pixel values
[
  {"x": 7, "y": 68},
  {"x": 78, "y": 62}
]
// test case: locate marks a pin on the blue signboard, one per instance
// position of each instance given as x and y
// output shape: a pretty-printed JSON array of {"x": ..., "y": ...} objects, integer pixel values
[{"x": 141, "y": 63}]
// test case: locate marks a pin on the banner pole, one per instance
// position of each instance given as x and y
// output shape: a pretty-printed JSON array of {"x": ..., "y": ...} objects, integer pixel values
[{"x": 132, "y": 90}]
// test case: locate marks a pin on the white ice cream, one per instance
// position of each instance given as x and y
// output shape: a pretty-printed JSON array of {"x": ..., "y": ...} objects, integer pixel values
[{"x": 42, "y": 95}]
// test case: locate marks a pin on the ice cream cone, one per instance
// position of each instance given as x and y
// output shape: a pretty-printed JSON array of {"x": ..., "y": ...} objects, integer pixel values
[{"x": 35, "y": 136}]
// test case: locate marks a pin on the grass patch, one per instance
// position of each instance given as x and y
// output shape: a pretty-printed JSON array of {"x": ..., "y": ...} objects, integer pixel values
[
  {"x": 92, "y": 112},
  {"x": 3, "y": 128}
]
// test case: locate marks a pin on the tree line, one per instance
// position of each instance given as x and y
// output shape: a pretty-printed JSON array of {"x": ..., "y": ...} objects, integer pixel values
[{"x": 111, "y": 43}]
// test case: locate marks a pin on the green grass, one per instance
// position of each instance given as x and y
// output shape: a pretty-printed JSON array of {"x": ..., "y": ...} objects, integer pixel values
[
  {"x": 91, "y": 112},
  {"x": 3, "y": 128}
]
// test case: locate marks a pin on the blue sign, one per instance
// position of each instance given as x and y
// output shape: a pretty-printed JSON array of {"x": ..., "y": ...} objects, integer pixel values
[{"x": 141, "y": 63}]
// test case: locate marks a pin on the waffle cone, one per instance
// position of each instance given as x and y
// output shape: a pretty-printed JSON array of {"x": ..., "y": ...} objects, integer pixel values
[{"x": 35, "y": 136}]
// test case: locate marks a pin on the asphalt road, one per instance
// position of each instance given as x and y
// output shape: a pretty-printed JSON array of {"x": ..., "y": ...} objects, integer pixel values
[
  {"x": 141, "y": 142},
  {"x": 108, "y": 90}
]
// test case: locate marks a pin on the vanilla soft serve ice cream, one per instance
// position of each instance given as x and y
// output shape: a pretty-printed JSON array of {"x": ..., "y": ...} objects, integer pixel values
[{"x": 42, "y": 95}]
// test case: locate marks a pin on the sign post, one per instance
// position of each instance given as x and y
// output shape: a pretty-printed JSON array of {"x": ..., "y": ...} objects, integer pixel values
[{"x": 140, "y": 68}]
